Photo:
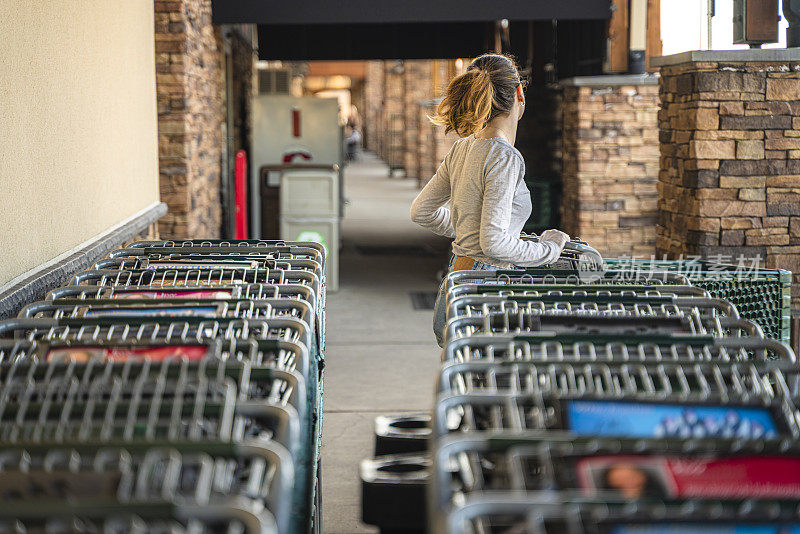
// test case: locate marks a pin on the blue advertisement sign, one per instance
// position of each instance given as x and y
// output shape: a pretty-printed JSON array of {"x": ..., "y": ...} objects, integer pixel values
[{"x": 650, "y": 420}]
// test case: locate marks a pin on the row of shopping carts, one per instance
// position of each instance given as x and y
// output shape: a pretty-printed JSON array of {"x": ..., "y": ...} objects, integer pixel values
[
  {"x": 174, "y": 387},
  {"x": 617, "y": 400}
]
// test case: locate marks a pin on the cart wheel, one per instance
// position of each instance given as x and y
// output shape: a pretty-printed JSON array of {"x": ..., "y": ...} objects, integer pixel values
[{"x": 317, "y": 528}]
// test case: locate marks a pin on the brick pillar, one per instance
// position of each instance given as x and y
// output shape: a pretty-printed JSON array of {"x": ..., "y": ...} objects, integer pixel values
[
  {"x": 730, "y": 143},
  {"x": 426, "y": 153},
  {"x": 610, "y": 163},
  {"x": 373, "y": 112},
  {"x": 191, "y": 113},
  {"x": 418, "y": 85},
  {"x": 394, "y": 114},
  {"x": 433, "y": 144}
]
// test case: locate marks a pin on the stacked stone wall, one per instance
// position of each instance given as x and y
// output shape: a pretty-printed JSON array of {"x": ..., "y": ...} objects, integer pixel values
[
  {"x": 610, "y": 167},
  {"x": 398, "y": 98},
  {"x": 373, "y": 106},
  {"x": 417, "y": 76},
  {"x": 191, "y": 113},
  {"x": 730, "y": 162},
  {"x": 393, "y": 146}
]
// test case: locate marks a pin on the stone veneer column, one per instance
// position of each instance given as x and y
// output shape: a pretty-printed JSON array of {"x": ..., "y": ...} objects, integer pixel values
[
  {"x": 398, "y": 101},
  {"x": 191, "y": 113},
  {"x": 426, "y": 142},
  {"x": 394, "y": 115},
  {"x": 373, "y": 101},
  {"x": 432, "y": 143},
  {"x": 417, "y": 80},
  {"x": 610, "y": 163},
  {"x": 730, "y": 143}
]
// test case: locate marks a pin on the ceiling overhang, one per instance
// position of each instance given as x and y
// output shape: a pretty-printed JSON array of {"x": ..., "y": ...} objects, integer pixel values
[{"x": 390, "y": 29}]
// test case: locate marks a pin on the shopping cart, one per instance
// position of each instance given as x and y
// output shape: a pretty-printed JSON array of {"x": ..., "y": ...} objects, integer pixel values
[
  {"x": 175, "y": 387},
  {"x": 487, "y": 464},
  {"x": 232, "y": 292},
  {"x": 206, "y": 308},
  {"x": 563, "y": 277},
  {"x": 159, "y": 518},
  {"x": 195, "y": 278},
  {"x": 208, "y": 263},
  {"x": 553, "y": 375},
  {"x": 549, "y": 513},
  {"x": 297, "y": 248},
  {"x": 605, "y": 398},
  {"x": 272, "y": 331},
  {"x": 762, "y": 295},
  {"x": 487, "y": 290},
  {"x": 308, "y": 251},
  {"x": 600, "y": 325},
  {"x": 591, "y": 304},
  {"x": 52, "y": 368},
  {"x": 44, "y": 482},
  {"x": 204, "y": 244},
  {"x": 573, "y": 347}
]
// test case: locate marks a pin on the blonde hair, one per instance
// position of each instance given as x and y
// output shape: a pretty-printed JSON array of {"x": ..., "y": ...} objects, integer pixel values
[{"x": 484, "y": 91}]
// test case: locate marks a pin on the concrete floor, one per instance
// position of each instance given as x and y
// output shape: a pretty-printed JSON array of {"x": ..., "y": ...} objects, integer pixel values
[{"x": 381, "y": 355}]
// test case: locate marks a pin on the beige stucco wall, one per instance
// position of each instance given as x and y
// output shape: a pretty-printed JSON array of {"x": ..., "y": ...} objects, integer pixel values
[{"x": 78, "y": 138}]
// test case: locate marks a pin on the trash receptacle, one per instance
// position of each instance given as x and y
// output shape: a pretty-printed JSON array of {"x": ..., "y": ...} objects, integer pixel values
[{"x": 309, "y": 209}]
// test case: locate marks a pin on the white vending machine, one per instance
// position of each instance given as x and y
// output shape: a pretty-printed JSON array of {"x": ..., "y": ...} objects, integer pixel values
[{"x": 296, "y": 170}]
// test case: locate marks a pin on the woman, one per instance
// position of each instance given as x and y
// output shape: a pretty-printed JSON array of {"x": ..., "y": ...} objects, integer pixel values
[{"x": 482, "y": 178}]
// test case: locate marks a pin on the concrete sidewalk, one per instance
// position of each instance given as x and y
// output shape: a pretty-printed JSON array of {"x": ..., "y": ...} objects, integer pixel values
[{"x": 381, "y": 355}]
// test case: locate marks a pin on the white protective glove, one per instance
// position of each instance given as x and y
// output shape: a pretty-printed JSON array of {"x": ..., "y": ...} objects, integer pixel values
[{"x": 555, "y": 236}]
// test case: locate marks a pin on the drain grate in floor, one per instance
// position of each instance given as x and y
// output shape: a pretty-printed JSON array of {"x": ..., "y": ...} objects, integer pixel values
[
  {"x": 423, "y": 300},
  {"x": 394, "y": 250}
]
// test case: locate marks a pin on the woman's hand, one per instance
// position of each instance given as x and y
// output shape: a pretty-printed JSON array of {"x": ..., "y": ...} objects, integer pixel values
[{"x": 555, "y": 236}]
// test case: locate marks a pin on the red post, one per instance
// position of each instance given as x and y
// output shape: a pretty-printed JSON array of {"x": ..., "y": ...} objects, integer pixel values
[{"x": 241, "y": 194}]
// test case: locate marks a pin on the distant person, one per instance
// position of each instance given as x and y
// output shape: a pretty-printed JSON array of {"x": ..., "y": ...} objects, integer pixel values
[
  {"x": 353, "y": 118},
  {"x": 482, "y": 178},
  {"x": 352, "y": 134},
  {"x": 353, "y": 142}
]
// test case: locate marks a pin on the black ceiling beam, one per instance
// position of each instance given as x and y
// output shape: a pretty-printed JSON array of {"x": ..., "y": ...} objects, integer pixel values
[
  {"x": 276, "y": 12},
  {"x": 292, "y": 42}
]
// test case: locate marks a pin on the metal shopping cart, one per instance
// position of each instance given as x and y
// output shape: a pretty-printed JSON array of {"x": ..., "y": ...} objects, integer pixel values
[
  {"x": 563, "y": 277},
  {"x": 551, "y": 375},
  {"x": 273, "y": 348},
  {"x": 548, "y": 513},
  {"x": 602, "y": 326},
  {"x": 481, "y": 465},
  {"x": 590, "y": 304},
  {"x": 574, "y": 347},
  {"x": 566, "y": 396},
  {"x": 175, "y": 387}
]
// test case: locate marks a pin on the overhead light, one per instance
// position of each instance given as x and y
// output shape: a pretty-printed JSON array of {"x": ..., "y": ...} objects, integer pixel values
[{"x": 504, "y": 24}]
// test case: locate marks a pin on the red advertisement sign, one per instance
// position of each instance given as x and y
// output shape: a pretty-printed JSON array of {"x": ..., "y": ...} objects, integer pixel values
[
  {"x": 659, "y": 476},
  {"x": 157, "y": 354}
]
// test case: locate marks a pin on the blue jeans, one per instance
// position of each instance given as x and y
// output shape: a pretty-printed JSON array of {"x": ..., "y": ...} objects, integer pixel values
[{"x": 440, "y": 307}]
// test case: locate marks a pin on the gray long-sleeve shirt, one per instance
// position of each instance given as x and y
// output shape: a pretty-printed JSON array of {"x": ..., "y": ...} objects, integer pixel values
[{"x": 482, "y": 179}]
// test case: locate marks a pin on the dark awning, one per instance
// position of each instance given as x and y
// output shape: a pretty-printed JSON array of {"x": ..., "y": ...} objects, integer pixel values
[
  {"x": 277, "y": 12},
  {"x": 394, "y": 29},
  {"x": 300, "y": 42}
]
